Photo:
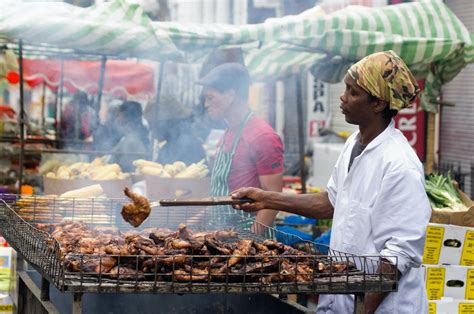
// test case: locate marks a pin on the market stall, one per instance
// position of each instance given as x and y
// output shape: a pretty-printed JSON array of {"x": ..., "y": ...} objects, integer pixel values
[{"x": 311, "y": 41}]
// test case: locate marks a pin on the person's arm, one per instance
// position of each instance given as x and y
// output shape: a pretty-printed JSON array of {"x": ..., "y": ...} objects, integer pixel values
[
  {"x": 316, "y": 205},
  {"x": 399, "y": 218},
  {"x": 374, "y": 299},
  {"x": 272, "y": 182}
]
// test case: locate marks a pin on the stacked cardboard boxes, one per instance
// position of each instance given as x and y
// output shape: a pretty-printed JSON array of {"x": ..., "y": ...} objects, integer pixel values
[{"x": 449, "y": 268}]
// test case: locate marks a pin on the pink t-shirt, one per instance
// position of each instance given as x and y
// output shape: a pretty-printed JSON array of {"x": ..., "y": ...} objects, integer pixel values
[{"x": 259, "y": 152}]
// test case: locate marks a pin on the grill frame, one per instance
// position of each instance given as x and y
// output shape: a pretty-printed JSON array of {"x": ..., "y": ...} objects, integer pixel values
[{"x": 42, "y": 252}]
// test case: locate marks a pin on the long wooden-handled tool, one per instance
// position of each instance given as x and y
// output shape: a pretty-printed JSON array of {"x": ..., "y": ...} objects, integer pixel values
[
  {"x": 208, "y": 201},
  {"x": 135, "y": 213}
]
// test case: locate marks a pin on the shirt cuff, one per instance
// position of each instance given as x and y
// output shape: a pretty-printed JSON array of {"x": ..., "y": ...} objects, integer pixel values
[{"x": 395, "y": 258}]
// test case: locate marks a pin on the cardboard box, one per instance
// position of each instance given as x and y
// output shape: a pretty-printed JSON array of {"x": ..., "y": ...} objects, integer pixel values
[
  {"x": 112, "y": 188},
  {"x": 171, "y": 188},
  {"x": 451, "y": 281},
  {"x": 460, "y": 218},
  {"x": 449, "y": 244},
  {"x": 450, "y": 306},
  {"x": 6, "y": 304},
  {"x": 7, "y": 270}
]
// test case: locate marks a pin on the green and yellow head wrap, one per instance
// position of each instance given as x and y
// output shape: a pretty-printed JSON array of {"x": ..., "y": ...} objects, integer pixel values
[{"x": 385, "y": 76}]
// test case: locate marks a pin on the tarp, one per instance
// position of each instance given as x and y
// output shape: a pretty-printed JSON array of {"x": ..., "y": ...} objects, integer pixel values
[
  {"x": 426, "y": 34},
  {"x": 121, "y": 78},
  {"x": 112, "y": 28}
]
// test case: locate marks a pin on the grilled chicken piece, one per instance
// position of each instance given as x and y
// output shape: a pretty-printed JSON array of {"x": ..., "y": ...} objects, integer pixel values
[
  {"x": 96, "y": 264},
  {"x": 257, "y": 267},
  {"x": 116, "y": 249},
  {"x": 159, "y": 236},
  {"x": 243, "y": 249},
  {"x": 136, "y": 213},
  {"x": 177, "y": 260},
  {"x": 125, "y": 273},
  {"x": 219, "y": 235},
  {"x": 183, "y": 234},
  {"x": 183, "y": 276},
  {"x": 144, "y": 244},
  {"x": 216, "y": 247},
  {"x": 180, "y": 244}
]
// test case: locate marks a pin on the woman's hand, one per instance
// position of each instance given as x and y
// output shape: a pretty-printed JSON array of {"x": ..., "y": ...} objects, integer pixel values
[{"x": 257, "y": 195}]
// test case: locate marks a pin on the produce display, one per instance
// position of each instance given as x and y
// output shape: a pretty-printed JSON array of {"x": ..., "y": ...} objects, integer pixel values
[
  {"x": 178, "y": 169},
  {"x": 98, "y": 169},
  {"x": 184, "y": 255},
  {"x": 443, "y": 194}
]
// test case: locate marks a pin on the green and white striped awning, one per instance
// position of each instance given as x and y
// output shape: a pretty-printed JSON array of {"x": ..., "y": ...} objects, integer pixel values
[
  {"x": 112, "y": 28},
  {"x": 427, "y": 35}
]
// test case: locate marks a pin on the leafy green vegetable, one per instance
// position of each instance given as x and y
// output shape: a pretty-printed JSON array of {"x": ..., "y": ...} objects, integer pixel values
[{"x": 442, "y": 193}]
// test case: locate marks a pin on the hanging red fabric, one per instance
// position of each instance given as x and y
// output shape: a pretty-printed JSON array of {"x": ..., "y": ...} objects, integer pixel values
[{"x": 121, "y": 79}]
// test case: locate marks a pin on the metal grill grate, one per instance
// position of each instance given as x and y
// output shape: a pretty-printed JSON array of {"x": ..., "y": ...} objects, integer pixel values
[{"x": 20, "y": 215}]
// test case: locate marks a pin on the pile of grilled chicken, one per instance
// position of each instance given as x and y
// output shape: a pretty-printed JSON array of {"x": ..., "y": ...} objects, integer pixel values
[{"x": 184, "y": 256}]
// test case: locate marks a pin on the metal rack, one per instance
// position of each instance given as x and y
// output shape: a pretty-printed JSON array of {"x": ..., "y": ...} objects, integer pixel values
[{"x": 20, "y": 216}]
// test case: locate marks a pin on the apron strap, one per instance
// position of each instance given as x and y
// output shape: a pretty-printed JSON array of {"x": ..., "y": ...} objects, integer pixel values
[{"x": 239, "y": 133}]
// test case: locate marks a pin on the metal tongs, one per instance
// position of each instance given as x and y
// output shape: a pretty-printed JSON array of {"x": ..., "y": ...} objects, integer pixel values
[{"x": 208, "y": 201}]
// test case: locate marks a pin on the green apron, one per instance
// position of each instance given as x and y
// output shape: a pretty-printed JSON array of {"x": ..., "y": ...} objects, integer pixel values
[{"x": 219, "y": 182}]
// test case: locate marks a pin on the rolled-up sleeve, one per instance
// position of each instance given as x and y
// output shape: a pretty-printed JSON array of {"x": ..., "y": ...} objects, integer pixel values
[
  {"x": 399, "y": 218},
  {"x": 331, "y": 188}
]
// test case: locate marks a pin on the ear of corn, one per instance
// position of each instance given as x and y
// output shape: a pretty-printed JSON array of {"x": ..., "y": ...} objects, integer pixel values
[
  {"x": 85, "y": 192},
  {"x": 96, "y": 170},
  {"x": 176, "y": 170}
]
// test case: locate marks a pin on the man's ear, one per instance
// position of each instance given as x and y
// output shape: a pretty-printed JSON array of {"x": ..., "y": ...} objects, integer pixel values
[{"x": 380, "y": 105}]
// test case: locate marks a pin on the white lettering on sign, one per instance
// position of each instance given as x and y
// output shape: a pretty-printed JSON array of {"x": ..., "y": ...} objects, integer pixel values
[
  {"x": 407, "y": 124},
  {"x": 408, "y": 127},
  {"x": 318, "y": 106}
]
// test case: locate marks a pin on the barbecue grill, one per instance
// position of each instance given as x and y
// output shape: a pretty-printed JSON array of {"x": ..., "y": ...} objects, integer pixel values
[{"x": 21, "y": 215}]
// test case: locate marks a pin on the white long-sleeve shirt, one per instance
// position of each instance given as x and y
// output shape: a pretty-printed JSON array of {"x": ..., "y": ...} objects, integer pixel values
[{"x": 381, "y": 209}]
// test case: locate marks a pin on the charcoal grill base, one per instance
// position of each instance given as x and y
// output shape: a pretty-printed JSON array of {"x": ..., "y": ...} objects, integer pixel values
[{"x": 149, "y": 303}]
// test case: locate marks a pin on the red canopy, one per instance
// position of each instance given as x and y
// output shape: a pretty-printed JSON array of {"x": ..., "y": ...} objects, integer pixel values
[{"x": 121, "y": 78}]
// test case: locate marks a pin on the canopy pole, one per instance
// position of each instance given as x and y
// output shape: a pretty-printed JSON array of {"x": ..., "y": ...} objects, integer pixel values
[
  {"x": 158, "y": 90},
  {"x": 22, "y": 117},
  {"x": 299, "y": 104},
  {"x": 101, "y": 82},
  {"x": 43, "y": 104},
  {"x": 59, "y": 103}
]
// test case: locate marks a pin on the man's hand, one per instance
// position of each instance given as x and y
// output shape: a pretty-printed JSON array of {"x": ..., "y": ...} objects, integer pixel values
[
  {"x": 374, "y": 299},
  {"x": 257, "y": 195},
  {"x": 315, "y": 205}
]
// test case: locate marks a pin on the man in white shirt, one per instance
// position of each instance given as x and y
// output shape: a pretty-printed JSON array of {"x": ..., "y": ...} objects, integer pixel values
[{"x": 376, "y": 193}]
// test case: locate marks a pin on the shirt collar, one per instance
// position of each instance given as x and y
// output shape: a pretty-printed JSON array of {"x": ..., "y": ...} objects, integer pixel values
[{"x": 380, "y": 138}]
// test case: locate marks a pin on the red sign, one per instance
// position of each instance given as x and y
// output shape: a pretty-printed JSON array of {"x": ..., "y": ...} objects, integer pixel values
[{"x": 411, "y": 122}]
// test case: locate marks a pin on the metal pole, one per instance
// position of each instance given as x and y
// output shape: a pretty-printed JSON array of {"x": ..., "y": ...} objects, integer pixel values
[
  {"x": 103, "y": 62},
  {"x": 44, "y": 289},
  {"x": 301, "y": 128},
  {"x": 22, "y": 118},
  {"x": 59, "y": 103},
  {"x": 77, "y": 303},
  {"x": 43, "y": 104},
  {"x": 158, "y": 90},
  {"x": 359, "y": 303}
]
